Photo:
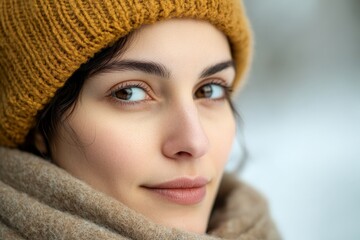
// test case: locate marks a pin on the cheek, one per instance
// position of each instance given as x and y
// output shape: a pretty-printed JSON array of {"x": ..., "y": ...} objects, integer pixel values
[
  {"x": 221, "y": 135},
  {"x": 114, "y": 150},
  {"x": 116, "y": 153}
]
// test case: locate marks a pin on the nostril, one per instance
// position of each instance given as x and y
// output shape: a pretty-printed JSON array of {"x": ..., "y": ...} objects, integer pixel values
[{"x": 183, "y": 154}]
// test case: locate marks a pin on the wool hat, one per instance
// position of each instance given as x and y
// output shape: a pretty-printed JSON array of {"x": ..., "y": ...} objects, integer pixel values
[{"x": 43, "y": 42}]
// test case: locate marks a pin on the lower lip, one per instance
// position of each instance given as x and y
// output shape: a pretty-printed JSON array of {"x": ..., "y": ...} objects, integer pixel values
[{"x": 183, "y": 196}]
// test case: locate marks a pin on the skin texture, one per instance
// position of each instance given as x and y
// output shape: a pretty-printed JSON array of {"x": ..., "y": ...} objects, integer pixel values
[{"x": 166, "y": 130}]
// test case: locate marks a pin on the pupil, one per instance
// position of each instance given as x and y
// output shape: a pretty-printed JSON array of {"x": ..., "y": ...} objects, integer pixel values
[
  {"x": 206, "y": 91},
  {"x": 124, "y": 94}
]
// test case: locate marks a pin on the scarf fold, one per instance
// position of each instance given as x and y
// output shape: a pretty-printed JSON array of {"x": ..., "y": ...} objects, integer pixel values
[{"x": 39, "y": 200}]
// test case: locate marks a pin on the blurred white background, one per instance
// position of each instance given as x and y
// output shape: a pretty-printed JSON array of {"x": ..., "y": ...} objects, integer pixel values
[{"x": 301, "y": 109}]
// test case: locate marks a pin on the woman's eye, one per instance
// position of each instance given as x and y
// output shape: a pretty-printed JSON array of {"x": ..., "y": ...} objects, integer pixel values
[
  {"x": 130, "y": 94},
  {"x": 212, "y": 91}
]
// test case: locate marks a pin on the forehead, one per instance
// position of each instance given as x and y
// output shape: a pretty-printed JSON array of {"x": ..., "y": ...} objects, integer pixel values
[{"x": 179, "y": 41}]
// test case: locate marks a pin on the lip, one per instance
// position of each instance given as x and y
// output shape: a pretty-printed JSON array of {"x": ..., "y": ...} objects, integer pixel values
[{"x": 184, "y": 191}]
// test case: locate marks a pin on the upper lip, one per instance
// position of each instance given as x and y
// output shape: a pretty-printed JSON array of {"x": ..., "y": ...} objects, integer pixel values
[{"x": 179, "y": 183}]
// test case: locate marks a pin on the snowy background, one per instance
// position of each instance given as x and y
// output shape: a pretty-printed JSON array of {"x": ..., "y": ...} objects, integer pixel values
[{"x": 301, "y": 109}]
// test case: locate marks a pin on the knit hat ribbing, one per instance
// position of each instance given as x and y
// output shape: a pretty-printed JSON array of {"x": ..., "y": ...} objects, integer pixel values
[{"x": 43, "y": 42}]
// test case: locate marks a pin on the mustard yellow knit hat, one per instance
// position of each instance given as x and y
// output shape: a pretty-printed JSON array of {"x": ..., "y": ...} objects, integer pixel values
[{"x": 43, "y": 42}]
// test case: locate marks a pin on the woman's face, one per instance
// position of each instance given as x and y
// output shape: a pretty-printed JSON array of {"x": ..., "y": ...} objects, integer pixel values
[{"x": 154, "y": 129}]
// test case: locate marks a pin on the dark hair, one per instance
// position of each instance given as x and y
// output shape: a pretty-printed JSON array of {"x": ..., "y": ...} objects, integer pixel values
[{"x": 66, "y": 97}]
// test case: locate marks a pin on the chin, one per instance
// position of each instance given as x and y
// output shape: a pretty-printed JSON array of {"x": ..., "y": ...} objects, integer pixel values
[
  {"x": 190, "y": 226},
  {"x": 189, "y": 220},
  {"x": 196, "y": 229}
]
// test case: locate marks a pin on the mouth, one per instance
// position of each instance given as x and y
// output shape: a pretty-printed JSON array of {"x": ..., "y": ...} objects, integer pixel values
[{"x": 184, "y": 191}]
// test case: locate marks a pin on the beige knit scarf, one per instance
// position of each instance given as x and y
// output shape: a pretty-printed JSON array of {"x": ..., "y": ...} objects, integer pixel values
[{"x": 38, "y": 200}]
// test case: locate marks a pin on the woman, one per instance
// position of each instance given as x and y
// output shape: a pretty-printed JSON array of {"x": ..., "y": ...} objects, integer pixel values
[{"x": 111, "y": 114}]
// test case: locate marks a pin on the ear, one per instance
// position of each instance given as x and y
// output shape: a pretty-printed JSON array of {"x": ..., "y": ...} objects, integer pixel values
[{"x": 40, "y": 143}]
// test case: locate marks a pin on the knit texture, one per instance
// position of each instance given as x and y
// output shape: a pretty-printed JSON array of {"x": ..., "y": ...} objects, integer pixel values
[
  {"x": 40, "y": 201},
  {"x": 43, "y": 42}
]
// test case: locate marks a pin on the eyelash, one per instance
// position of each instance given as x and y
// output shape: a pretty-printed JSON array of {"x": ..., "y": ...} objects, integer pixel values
[
  {"x": 125, "y": 85},
  {"x": 227, "y": 91}
]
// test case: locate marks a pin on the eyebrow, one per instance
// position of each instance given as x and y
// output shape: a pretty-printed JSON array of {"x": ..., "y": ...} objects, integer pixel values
[
  {"x": 159, "y": 69},
  {"x": 217, "y": 68},
  {"x": 142, "y": 66}
]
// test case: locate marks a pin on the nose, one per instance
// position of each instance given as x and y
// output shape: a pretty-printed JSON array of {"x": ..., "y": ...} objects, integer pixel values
[{"x": 185, "y": 137}]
